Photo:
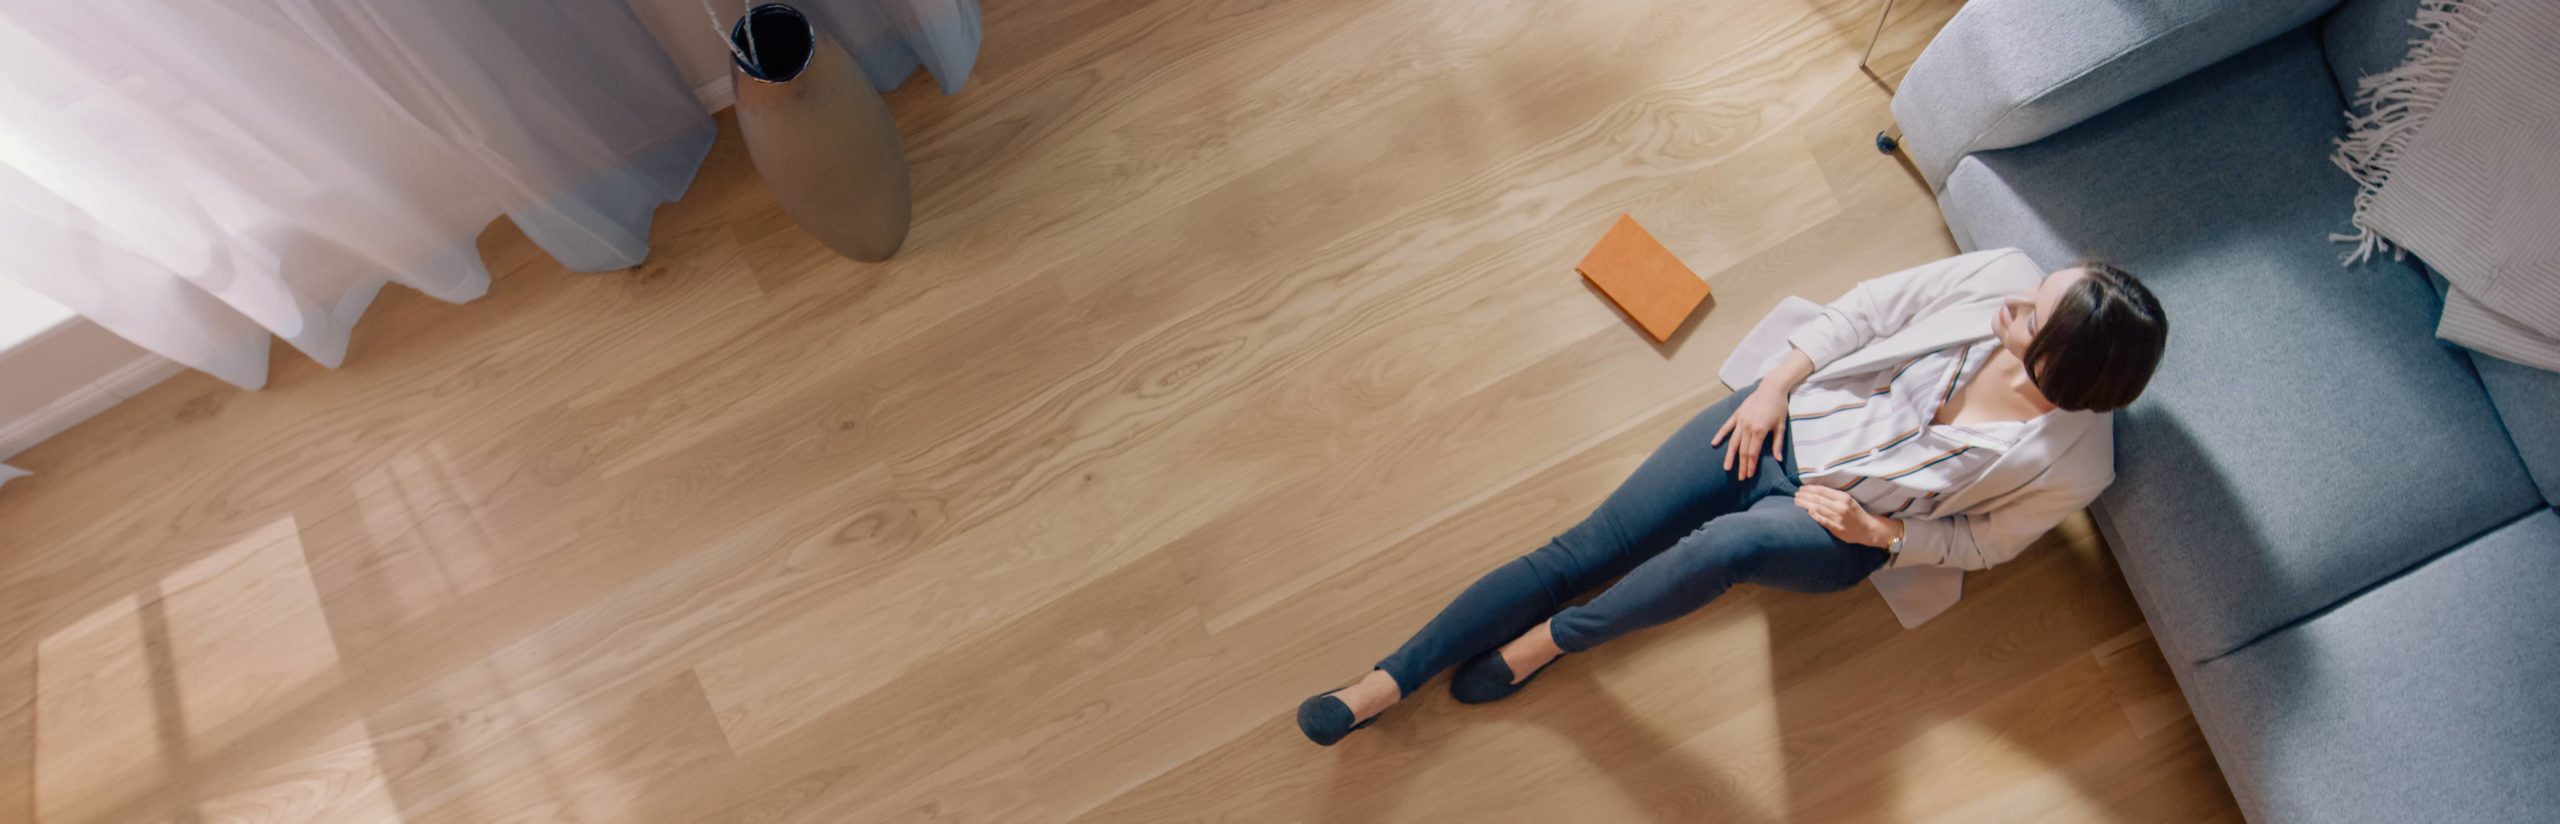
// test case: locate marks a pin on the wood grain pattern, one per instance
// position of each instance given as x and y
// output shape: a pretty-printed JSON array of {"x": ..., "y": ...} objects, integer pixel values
[{"x": 1231, "y": 340}]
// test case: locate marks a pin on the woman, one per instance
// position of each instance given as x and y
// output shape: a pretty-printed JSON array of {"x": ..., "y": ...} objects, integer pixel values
[{"x": 1945, "y": 415}]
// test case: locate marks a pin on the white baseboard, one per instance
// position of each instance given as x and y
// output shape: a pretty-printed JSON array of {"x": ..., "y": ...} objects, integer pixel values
[
  {"x": 143, "y": 373},
  {"x": 85, "y": 402},
  {"x": 716, "y": 94}
]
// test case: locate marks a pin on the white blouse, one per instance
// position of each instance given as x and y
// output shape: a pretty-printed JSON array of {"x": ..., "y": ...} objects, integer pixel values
[{"x": 1870, "y": 434}]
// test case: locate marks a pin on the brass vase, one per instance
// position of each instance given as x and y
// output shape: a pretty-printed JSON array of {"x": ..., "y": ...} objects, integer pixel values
[{"x": 821, "y": 137}]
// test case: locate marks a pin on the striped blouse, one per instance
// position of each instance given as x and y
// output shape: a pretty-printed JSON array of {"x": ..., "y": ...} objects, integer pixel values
[{"x": 1871, "y": 435}]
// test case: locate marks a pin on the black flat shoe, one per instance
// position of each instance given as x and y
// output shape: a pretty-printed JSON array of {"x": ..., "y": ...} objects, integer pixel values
[
  {"x": 1325, "y": 719},
  {"x": 1486, "y": 678}
]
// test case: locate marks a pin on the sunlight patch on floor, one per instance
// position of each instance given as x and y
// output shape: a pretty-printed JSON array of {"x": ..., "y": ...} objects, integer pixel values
[
  {"x": 138, "y": 699},
  {"x": 428, "y": 545}
]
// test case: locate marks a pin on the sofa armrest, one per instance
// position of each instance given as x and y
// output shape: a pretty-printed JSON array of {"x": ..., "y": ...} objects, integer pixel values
[{"x": 2006, "y": 73}]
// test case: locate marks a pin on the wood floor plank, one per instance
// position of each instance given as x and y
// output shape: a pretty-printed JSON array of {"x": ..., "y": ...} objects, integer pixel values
[
  {"x": 1111, "y": 709},
  {"x": 1231, "y": 340}
]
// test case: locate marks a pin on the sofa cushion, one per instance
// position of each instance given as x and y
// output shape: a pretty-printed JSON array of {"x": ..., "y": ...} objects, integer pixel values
[
  {"x": 2367, "y": 37},
  {"x": 2526, "y": 399},
  {"x": 2429, "y": 698},
  {"x": 2528, "y": 402},
  {"x": 2305, "y": 436},
  {"x": 2005, "y": 72}
]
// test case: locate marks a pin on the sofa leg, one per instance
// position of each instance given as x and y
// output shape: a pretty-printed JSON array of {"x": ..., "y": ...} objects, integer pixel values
[
  {"x": 1887, "y": 142},
  {"x": 1882, "y": 13}
]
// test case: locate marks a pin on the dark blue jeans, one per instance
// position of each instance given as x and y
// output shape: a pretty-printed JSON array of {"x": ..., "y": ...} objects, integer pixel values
[{"x": 1680, "y": 531}]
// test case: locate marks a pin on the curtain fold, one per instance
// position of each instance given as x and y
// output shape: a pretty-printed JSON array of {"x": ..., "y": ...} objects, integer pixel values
[
  {"x": 890, "y": 38},
  {"x": 198, "y": 175},
  {"x": 205, "y": 176}
]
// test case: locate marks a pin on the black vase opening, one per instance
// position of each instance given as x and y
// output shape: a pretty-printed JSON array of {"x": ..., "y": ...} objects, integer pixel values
[{"x": 776, "y": 41}]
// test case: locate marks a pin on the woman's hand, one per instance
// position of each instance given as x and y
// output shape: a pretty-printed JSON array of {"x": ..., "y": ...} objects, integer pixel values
[
  {"x": 1848, "y": 521},
  {"x": 1762, "y": 418}
]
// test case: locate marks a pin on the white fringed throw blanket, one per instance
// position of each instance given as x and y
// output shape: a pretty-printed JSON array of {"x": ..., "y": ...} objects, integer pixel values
[{"x": 2457, "y": 152}]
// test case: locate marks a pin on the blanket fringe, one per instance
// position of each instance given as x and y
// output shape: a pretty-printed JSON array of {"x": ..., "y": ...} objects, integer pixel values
[{"x": 2390, "y": 108}]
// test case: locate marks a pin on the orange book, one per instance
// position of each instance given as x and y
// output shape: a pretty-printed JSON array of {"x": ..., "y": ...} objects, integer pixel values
[{"x": 1643, "y": 279}]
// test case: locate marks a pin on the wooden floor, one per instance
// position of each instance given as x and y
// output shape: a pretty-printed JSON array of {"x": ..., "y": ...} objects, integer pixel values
[{"x": 1232, "y": 340}]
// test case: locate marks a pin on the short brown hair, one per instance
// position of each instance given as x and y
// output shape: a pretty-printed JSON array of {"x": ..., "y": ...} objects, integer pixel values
[{"x": 2098, "y": 349}]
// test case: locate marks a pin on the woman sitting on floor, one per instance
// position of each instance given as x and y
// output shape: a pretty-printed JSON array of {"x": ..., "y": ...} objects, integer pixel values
[{"x": 1900, "y": 430}]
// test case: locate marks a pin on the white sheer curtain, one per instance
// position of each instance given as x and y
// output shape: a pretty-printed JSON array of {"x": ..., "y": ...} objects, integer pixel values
[
  {"x": 890, "y": 38},
  {"x": 197, "y": 175}
]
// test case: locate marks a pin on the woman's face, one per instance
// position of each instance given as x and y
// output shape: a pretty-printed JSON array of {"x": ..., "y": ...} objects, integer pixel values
[{"x": 2022, "y": 314}]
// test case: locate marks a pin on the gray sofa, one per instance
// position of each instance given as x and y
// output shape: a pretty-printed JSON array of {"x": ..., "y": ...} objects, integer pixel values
[{"x": 2341, "y": 530}]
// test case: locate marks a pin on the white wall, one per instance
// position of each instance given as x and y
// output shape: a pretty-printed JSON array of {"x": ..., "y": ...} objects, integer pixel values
[{"x": 58, "y": 369}]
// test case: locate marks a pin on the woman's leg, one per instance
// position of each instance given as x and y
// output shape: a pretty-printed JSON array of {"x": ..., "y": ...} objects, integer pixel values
[
  {"x": 1680, "y": 486},
  {"x": 1772, "y": 544}
]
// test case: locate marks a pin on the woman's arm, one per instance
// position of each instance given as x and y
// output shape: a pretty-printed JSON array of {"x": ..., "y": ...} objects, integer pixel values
[
  {"x": 1762, "y": 418},
  {"x": 1782, "y": 380},
  {"x": 1880, "y": 307},
  {"x": 1981, "y": 540},
  {"x": 1977, "y": 541},
  {"x": 1847, "y": 519}
]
